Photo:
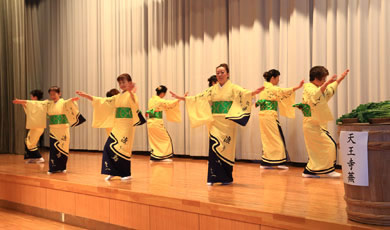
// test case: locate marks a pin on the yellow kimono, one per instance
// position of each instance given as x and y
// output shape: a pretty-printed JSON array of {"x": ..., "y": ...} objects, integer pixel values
[
  {"x": 34, "y": 122},
  {"x": 159, "y": 139},
  {"x": 220, "y": 108},
  {"x": 272, "y": 138},
  {"x": 320, "y": 146},
  {"x": 120, "y": 113},
  {"x": 62, "y": 114}
]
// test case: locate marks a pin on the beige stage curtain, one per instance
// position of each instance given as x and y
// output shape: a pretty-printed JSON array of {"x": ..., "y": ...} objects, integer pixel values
[
  {"x": 86, "y": 44},
  {"x": 19, "y": 69}
]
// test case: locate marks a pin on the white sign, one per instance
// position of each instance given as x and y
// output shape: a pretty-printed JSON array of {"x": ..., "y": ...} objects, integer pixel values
[{"x": 354, "y": 159}]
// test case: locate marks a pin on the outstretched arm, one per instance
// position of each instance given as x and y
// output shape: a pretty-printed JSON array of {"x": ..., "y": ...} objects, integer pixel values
[
  {"x": 174, "y": 95},
  {"x": 18, "y": 101},
  {"x": 299, "y": 86},
  {"x": 330, "y": 81},
  {"x": 82, "y": 94},
  {"x": 257, "y": 91},
  {"x": 343, "y": 75}
]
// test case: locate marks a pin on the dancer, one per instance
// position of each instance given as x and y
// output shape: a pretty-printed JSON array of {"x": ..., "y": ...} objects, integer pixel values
[
  {"x": 320, "y": 146},
  {"x": 270, "y": 99},
  {"x": 117, "y": 112},
  {"x": 230, "y": 104},
  {"x": 212, "y": 80},
  {"x": 159, "y": 139},
  {"x": 32, "y": 154},
  {"x": 62, "y": 115}
]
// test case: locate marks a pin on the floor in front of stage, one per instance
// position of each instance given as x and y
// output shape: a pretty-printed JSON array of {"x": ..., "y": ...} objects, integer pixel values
[{"x": 282, "y": 193}]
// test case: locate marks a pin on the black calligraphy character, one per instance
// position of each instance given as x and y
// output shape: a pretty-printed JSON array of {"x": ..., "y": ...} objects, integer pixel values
[
  {"x": 351, "y": 151},
  {"x": 351, "y": 177},
  {"x": 227, "y": 139},
  {"x": 351, "y": 163},
  {"x": 124, "y": 140},
  {"x": 350, "y": 138}
]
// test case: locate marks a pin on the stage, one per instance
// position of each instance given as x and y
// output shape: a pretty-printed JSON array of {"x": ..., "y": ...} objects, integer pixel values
[{"x": 173, "y": 196}]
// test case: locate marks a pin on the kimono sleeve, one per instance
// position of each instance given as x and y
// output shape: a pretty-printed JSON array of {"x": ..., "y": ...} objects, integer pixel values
[
  {"x": 35, "y": 114},
  {"x": 321, "y": 110},
  {"x": 103, "y": 112},
  {"x": 286, "y": 98},
  {"x": 171, "y": 108},
  {"x": 199, "y": 109},
  {"x": 240, "y": 110},
  {"x": 71, "y": 110}
]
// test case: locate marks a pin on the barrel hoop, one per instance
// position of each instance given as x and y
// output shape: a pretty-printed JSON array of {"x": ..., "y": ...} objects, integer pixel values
[
  {"x": 369, "y": 204},
  {"x": 378, "y": 146},
  {"x": 368, "y": 218}
]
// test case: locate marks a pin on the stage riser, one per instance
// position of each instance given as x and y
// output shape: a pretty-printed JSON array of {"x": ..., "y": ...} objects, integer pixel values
[
  {"x": 90, "y": 211},
  {"x": 97, "y": 212}
]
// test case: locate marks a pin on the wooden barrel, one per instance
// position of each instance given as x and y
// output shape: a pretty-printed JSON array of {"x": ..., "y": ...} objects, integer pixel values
[{"x": 371, "y": 205}]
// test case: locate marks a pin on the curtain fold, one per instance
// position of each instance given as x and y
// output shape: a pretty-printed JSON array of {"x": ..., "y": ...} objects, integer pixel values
[
  {"x": 13, "y": 79},
  {"x": 84, "y": 45}
]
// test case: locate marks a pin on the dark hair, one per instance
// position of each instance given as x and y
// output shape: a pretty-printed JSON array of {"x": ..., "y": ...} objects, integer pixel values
[
  {"x": 37, "y": 93},
  {"x": 212, "y": 79},
  {"x": 161, "y": 89},
  {"x": 55, "y": 89},
  {"x": 112, "y": 92},
  {"x": 124, "y": 77},
  {"x": 270, "y": 74},
  {"x": 318, "y": 72},
  {"x": 224, "y": 65}
]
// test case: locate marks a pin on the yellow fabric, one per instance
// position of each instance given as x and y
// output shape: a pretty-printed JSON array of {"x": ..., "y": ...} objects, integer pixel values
[
  {"x": 71, "y": 111},
  {"x": 199, "y": 106},
  {"x": 62, "y": 136},
  {"x": 32, "y": 138},
  {"x": 104, "y": 109},
  {"x": 122, "y": 131},
  {"x": 222, "y": 130},
  {"x": 170, "y": 107},
  {"x": 224, "y": 133},
  {"x": 319, "y": 146},
  {"x": 60, "y": 132},
  {"x": 318, "y": 101},
  {"x": 103, "y": 112},
  {"x": 57, "y": 108},
  {"x": 273, "y": 146},
  {"x": 36, "y": 117},
  {"x": 36, "y": 114},
  {"x": 159, "y": 139},
  {"x": 284, "y": 97}
]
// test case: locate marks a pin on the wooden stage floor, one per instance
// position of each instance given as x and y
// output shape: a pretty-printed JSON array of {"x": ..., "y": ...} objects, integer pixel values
[{"x": 175, "y": 195}]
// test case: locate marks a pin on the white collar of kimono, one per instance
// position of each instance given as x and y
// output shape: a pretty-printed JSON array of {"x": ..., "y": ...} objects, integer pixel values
[{"x": 226, "y": 83}]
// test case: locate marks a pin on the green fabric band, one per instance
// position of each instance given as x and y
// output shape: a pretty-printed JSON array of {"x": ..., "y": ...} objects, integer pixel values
[
  {"x": 221, "y": 107},
  {"x": 123, "y": 112},
  {"x": 305, "y": 109},
  {"x": 153, "y": 114},
  {"x": 267, "y": 105},
  {"x": 58, "y": 119}
]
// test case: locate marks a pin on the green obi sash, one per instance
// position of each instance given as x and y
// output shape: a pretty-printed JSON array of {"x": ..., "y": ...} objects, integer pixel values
[
  {"x": 305, "y": 109},
  {"x": 123, "y": 112},
  {"x": 267, "y": 105},
  {"x": 221, "y": 107},
  {"x": 58, "y": 119},
  {"x": 153, "y": 114}
]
